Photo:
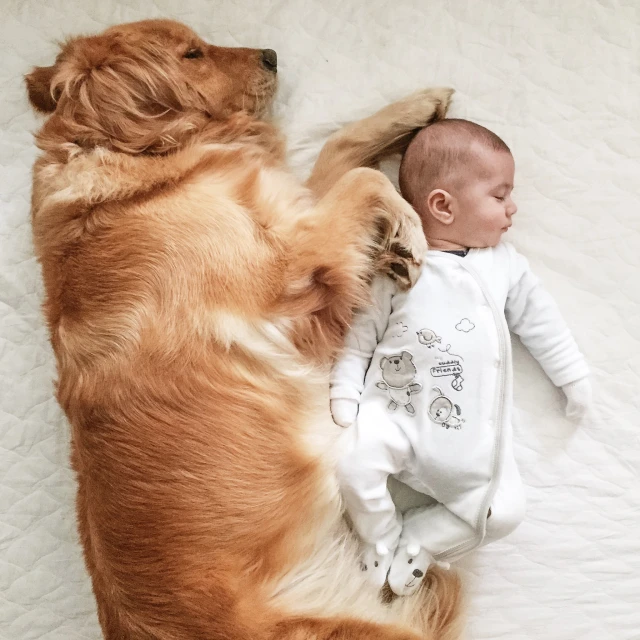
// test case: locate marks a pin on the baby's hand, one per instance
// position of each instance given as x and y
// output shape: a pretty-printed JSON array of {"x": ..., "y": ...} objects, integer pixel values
[
  {"x": 578, "y": 398},
  {"x": 344, "y": 411}
]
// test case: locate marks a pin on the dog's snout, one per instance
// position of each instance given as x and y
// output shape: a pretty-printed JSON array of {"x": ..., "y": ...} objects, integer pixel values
[
  {"x": 270, "y": 59},
  {"x": 417, "y": 573}
]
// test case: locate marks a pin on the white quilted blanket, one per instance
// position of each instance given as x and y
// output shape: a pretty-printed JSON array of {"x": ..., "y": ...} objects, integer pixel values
[{"x": 561, "y": 83}]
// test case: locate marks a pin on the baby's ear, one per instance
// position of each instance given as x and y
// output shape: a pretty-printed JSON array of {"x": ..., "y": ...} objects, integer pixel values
[
  {"x": 439, "y": 206},
  {"x": 40, "y": 89}
]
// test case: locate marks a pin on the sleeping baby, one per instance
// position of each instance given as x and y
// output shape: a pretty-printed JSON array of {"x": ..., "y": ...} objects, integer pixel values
[{"x": 426, "y": 376}]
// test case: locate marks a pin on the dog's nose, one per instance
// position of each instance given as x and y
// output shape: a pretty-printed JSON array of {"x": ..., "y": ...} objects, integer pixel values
[
  {"x": 417, "y": 573},
  {"x": 270, "y": 59}
]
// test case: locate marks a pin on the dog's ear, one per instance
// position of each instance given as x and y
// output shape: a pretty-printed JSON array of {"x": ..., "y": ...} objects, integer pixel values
[{"x": 41, "y": 90}]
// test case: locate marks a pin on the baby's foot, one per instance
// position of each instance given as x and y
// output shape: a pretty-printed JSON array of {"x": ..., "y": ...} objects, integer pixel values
[
  {"x": 408, "y": 569},
  {"x": 375, "y": 561}
]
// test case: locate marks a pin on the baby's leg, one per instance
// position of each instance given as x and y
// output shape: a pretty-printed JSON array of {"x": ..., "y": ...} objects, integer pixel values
[
  {"x": 509, "y": 502},
  {"x": 427, "y": 531},
  {"x": 378, "y": 451},
  {"x": 432, "y": 529}
]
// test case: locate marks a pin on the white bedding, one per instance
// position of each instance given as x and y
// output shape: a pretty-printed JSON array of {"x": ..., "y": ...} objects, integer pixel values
[{"x": 561, "y": 83}]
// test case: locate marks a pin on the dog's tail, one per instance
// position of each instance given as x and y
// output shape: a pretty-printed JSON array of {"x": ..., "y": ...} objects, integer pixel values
[
  {"x": 328, "y": 598},
  {"x": 434, "y": 613},
  {"x": 340, "y": 629}
]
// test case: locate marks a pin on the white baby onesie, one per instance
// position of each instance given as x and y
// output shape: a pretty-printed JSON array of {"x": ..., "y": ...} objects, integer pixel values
[{"x": 431, "y": 370}]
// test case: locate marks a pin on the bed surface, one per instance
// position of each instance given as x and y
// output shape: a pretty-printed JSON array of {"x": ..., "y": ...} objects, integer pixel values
[{"x": 560, "y": 82}]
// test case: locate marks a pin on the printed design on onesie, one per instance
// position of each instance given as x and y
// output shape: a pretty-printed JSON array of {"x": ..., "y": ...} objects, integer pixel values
[
  {"x": 398, "y": 380},
  {"x": 451, "y": 367},
  {"x": 399, "y": 329},
  {"x": 444, "y": 411},
  {"x": 428, "y": 338},
  {"x": 465, "y": 325}
]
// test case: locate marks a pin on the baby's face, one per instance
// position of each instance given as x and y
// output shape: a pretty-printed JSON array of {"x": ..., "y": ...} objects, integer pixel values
[{"x": 484, "y": 204}]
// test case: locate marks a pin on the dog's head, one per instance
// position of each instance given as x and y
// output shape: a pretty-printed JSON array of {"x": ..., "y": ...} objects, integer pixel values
[{"x": 147, "y": 86}]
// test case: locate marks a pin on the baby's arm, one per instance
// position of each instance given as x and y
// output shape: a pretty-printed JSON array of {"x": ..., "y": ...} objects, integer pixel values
[
  {"x": 367, "y": 329},
  {"x": 533, "y": 314}
]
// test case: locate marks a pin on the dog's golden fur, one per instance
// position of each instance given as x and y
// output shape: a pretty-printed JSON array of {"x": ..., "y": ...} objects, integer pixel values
[{"x": 196, "y": 295}]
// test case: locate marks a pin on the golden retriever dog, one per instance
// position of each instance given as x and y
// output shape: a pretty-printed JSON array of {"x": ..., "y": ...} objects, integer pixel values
[{"x": 196, "y": 295}]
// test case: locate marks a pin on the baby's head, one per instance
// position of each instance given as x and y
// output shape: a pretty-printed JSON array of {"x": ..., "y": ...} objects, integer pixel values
[{"x": 459, "y": 176}]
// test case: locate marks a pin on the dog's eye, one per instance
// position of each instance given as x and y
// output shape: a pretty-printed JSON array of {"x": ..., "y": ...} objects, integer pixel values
[{"x": 194, "y": 53}]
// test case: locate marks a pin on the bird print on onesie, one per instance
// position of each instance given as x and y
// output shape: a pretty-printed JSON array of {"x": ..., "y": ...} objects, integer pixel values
[{"x": 449, "y": 365}]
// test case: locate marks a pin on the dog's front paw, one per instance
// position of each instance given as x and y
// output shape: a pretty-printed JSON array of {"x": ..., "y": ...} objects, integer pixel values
[
  {"x": 424, "y": 107},
  {"x": 405, "y": 247}
]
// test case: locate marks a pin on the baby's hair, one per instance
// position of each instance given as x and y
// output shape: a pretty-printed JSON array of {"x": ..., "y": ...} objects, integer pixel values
[{"x": 434, "y": 156}]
